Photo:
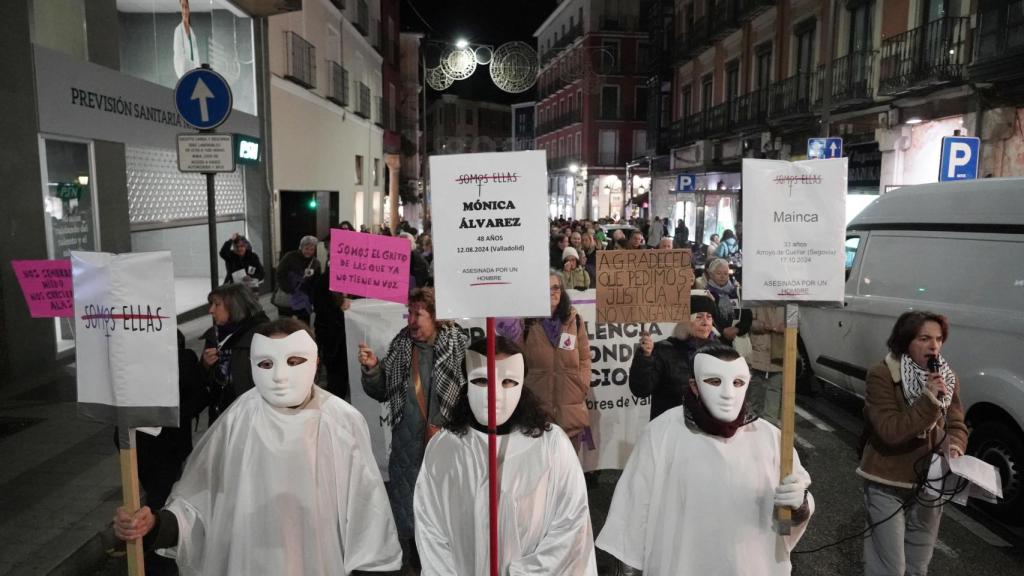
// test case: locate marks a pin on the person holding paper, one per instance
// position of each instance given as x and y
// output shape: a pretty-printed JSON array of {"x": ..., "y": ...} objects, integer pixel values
[
  {"x": 912, "y": 410},
  {"x": 699, "y": 492},
  {"x": 296, "y": 277},
  {"x": 543, "y": 515},
  {"x": 284, "y": 483},
  {"x": 236, "y": 313},
  {"x": 420, "y": 379},
  {"x": 242, "y": 264},
  {"x": 662, "y": 370}
]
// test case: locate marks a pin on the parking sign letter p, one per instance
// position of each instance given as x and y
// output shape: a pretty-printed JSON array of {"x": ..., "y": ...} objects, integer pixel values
[{"x": 959, "y": 156}]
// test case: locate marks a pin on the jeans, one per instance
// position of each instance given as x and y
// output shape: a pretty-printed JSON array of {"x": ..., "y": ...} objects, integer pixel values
[
  {"x": 902, "y": 545},
  {"x": 765, "y": 395}
]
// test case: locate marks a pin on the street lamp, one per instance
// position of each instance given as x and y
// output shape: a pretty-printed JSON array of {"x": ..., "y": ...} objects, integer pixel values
[
  {"x": 574, "y": 167},
  {"x": 461, "y": 43}
]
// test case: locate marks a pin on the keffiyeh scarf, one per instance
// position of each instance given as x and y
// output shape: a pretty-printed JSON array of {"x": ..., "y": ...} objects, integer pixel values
[
  {"x": 914, "y": 378},
  {"x": 446, "y": 373}
]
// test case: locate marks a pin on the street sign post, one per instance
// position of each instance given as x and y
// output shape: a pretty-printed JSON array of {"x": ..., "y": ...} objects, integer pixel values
[
  {"x": 822, "y": 148},
  {"x": 959, "y": 160},
  {"x": 203, "y": 99},
  {"x": 686, "y": 183}
]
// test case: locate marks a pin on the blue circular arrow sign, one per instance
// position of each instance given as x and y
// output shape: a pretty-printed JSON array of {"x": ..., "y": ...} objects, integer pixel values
[{"x": 203, "y": 98}]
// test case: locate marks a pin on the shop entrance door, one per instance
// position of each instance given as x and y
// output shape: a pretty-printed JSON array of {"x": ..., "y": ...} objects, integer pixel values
[{"x": 298, "y": 218}]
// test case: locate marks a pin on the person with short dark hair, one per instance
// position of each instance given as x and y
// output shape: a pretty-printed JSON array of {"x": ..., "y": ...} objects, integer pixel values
[
  {"x": 559, "y": 242},
  {"x": 912, "y": 410},
  {"x": 235, "y": 312},
  {"x": 238, "y": 256},
  {"x": 636, "y": 240},
  {"x": 701, "y": 487},
  {"x": 539, "y": 471},
  {"x": 284, "y": 482}
]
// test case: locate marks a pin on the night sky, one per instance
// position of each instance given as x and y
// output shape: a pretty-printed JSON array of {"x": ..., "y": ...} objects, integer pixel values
[{"x": 491, "y": 22}]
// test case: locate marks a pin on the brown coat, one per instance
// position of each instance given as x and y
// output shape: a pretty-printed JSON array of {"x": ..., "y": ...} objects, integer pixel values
[
  {"x": 899, "y": 435},
  {"x": 560, "y": 378}
]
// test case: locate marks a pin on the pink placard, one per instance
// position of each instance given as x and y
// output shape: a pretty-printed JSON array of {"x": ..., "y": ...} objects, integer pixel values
[
  {"x": 370, "y": 265},
  {"x": 46, "y": 285}
]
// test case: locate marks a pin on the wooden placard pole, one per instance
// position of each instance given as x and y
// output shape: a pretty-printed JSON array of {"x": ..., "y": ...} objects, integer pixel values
[
  {"x": 787, "y": 418},
  {"x": 492, "y": 445},
  {"x": 131, "y": 501}
]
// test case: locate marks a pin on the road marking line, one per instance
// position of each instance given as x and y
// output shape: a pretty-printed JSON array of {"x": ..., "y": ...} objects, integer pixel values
[
  {"x": 976, "y": 528},
  {"x": 803, "y": 443},
  {"x": 942, "y": 547},
  {"x": 818, "y": 422}
]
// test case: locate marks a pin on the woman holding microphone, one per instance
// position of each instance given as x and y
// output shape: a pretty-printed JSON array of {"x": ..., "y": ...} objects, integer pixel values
[{"x": 911, "y": 410}]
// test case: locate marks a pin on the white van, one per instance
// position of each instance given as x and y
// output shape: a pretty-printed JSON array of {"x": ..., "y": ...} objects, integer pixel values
[{"x": 955, "y": 248}]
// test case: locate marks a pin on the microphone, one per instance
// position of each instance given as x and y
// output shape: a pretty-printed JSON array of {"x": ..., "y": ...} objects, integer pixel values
[{"x": 933, "y": 368}]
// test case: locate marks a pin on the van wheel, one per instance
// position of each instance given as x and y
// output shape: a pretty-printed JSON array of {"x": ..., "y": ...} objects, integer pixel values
[
  {"x": 1001, "y": 446},
  {"x": 804, "y": 372}
]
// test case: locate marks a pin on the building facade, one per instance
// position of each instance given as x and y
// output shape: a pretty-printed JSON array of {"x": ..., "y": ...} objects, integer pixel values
[
  {"x": 524, "y": 125},
  {"x": 326, "y": 90},
  {"x": 592, "y": 106},
  {"x": 457, "y": 125},
  {"x": 410, "y": 125},
  {"x": 757, "y": 78},
  {"x": 90, "y": 130}
]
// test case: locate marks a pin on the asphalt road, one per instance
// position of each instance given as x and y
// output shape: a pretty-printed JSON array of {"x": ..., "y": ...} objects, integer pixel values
[{"x": 828, "y": 426}]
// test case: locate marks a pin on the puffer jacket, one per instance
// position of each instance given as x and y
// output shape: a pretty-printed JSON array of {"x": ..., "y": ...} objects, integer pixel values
[
  {"x": 665, "y": 374},
  {"x": 898, "y": 436},
  {"x": 560, "y": 378}
]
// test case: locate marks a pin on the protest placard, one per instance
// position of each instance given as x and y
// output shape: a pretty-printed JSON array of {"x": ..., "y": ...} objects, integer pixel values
[
  {"x": 794, "y": 225},
  {"x": 490, "y": 225},
  {"x": 371, "y": 266},
  {"x": 126, "y": 344},
  {"x": 643, "y": 285},
  {"x": 46, "y": 285}
]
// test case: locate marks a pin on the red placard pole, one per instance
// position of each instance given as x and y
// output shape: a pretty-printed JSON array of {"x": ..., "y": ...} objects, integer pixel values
[{"x": 492, "y": 446}]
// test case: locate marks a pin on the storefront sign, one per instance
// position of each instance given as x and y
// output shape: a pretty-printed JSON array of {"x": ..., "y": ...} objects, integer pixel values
[
  {"x": 247, "y": 149},
  {"x": 126, "y": 342},
  {"x": 794, "y": 216},
  {"x": 46, "y": 285},
  {"x": 643, "y": 285},
  {"x": 865, "y": 166},
  {"x": 95, "y": 102},
  {"x": 490, "y": 234},
  {"x": 206, "y": 153},
  {"x": 370, "y": 265},
  {"x": 617, "y": 417}
]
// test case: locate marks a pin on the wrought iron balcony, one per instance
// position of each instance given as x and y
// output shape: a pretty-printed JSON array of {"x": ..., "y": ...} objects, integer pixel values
[
  {"x": 363, "y": 104},
  {"x": 562, "y": 121},
  {"x": 750, "y": 109},
  {"x": 851, "y": 78},
  {"x": 749, "y": 9},
  {"x": 300, "y": 65},
  {"x": 999, "y": 44},
  {"x": 935, "y": 53},
  {"x": 796, "y": 95},
  {"x": 378, "y": 116},
  {"x": 724, "y": 19},
  {"x": 338, "y": 83},
  {"x": 362, "y": 20}
]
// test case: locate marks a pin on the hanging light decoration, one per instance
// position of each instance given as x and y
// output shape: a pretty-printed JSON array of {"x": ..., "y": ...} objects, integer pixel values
[{"x": 514, "y": 67}]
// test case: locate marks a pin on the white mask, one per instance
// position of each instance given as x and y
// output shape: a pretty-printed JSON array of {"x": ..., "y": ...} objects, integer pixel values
[
  {"x": 722, "y": 385},
  {"x": 281, "y": 384},
  {"x": 508, "y": 374}
]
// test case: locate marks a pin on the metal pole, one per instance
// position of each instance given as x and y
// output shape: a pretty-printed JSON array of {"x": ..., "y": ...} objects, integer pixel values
[
  {"x": 826, "y": 97},
  {"x": 211, "y": 222},
  {"x": 492, "y": 445}
]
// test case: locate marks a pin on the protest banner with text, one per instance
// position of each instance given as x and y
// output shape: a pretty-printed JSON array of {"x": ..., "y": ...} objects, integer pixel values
[
  {"x": 369, "y": 265},
  {"x": 643, "y": 286},
  {"x": 46, "y": 285}
]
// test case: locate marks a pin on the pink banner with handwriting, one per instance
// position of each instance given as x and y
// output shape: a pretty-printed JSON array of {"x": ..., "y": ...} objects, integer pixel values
[
  {"x": 370, "y": 265},
  {"x": 46, "y": 285}
]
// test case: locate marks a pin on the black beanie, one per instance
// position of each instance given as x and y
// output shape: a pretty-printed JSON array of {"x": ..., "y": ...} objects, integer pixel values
[{"x": 699, "y": 303}]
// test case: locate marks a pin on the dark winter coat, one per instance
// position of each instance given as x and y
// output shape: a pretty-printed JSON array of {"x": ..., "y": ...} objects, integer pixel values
[
  {"x": 665, "y": 373},
  {"x": 234, "y": 262}
]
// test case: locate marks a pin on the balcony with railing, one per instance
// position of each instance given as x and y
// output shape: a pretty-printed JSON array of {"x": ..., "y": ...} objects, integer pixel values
[
  {"x": 618, "y": 23},
  {"x": 750, "y": 9},
  {"x": 999, "y": 43},
  {"x": 377, "y": 36},
  {"x": 363, "y": 105},
  {"x": 563, "y": 42},
  {"x": 694, "y": 39},
  {"x": 794, "y": 96},
  {"x": 337, "y": 83},
  {"x": 935, "y": 53},
  {"x": 562, "y": 121},
  {"x": 300, "y": 62},
  {"x": 378, "y": 111},
  {"x": 851, "y": 78},
  {"x": 724, "y": 19}
]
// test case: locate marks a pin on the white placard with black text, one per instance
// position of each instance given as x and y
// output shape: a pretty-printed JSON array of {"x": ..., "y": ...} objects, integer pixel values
[
  {"x": 794, "y": 230},
  {"x": 490, "y": 225}
]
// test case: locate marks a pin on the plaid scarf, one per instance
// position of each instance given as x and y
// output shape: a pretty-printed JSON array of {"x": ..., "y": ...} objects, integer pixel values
[
  {"x": 446, "y": 374},
  {"x": 914, "y": 378}
]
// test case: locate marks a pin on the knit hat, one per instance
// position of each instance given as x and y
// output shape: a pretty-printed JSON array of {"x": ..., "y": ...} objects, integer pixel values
[
  {"x": 702, "y": 304},
  {"x": 570, "y": 252}
]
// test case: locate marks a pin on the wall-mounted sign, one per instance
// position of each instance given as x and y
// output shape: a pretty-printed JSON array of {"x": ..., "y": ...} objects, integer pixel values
[
  {"x": 206, "y": 153},
  {"x": 247, "y": 149}
]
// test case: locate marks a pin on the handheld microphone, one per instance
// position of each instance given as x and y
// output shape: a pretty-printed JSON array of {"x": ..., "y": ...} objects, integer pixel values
[{"x": 933, "y": 368}]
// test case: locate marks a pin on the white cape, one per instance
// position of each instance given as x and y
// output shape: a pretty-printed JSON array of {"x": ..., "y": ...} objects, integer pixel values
[
  {"x": 689, "y": 503},
  {"x": 543, "y": 516},
  {"x": 284, "y": 492}
]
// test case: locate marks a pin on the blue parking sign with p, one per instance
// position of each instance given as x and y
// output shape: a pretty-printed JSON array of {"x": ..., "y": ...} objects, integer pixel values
[
  {"x": 959, "y": 159},
  {"x": 686, "y": 182}
]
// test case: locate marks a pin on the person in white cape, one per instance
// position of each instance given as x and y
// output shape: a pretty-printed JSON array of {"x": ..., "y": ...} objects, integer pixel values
[
  {"x": 283, "y": 483},
  {"x": 702, "y": 483},
  {"x": 543, "y": 514}
]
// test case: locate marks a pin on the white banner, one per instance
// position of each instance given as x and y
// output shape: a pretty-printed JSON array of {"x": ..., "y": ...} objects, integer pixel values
[
  {"x": 794, "y": 230},
  {"x": 126, "y": 344},
  {"x": 490, "y": 232},
  {"x": 616, "y": 416}
]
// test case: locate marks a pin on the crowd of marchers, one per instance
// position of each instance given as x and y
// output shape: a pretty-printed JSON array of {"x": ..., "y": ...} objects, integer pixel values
[{"x": 284, "y": 481}]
